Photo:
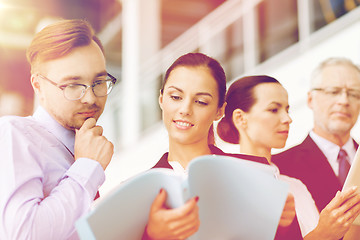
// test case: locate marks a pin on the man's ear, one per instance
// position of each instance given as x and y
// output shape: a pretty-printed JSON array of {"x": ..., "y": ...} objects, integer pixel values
[
  {"x": 309, "y": 99},
  {"x": 35, "y": 83},
  {"x": 239, "y": 118},
  {"x": 221, "y": 111},
  {"x": 161, "y": 98}
]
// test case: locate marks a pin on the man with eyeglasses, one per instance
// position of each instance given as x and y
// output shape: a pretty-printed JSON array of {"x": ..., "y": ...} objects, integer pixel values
[
  {"x": 52, "y": 163},
  {"x": 322, "y": 160}
]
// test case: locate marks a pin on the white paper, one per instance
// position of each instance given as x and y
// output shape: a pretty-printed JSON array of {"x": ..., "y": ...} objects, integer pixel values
[
  {"x": 238, "y": 199},
  {"x": 353, "y": 178}
]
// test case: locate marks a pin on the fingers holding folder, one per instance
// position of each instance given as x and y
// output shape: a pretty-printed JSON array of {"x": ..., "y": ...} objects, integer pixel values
[
  {"x": 340, "y": 213},
  {"x": 177, "y": 223}
]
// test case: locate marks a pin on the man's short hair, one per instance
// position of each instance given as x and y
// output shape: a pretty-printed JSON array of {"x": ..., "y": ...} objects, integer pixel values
[
  {"x": 58, "y": 39},
  {"x": 315, "y": 76}
]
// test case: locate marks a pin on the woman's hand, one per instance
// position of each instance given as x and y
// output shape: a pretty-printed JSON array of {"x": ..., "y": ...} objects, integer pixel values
[
  {"x": 288, "y": 214},
  {"x": 336, "y": 218},
  {"x": 287, "y": 217},
  {"x": 178, "y": 223}
]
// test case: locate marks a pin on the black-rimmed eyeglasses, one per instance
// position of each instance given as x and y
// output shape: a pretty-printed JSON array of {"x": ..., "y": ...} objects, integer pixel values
[{"x": 75, "y": 91}]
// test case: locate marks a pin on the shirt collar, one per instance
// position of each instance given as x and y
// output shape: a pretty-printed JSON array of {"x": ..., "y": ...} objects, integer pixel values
[
  {"x": 65, "y": 136},
  {"x": 176, "y": 166},
  {"x": 331, "y": 150}
]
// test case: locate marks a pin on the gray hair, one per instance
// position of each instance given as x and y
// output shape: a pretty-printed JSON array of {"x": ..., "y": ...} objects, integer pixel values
[{"x": 316, "y": 74}]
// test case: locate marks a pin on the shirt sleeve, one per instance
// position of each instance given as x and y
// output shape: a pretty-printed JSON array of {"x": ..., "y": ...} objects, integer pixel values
[
  {"x": 306, "y": 210},
  {"x": 33, "y": 203}
]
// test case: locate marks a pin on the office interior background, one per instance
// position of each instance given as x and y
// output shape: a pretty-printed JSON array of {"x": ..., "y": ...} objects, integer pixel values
[{"x": 285, "y": 39}]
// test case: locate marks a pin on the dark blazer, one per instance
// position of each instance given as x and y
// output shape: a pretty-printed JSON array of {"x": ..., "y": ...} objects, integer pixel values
[
  {"x": 290, "y": 233},
  {"x": 307, "y": 163}
]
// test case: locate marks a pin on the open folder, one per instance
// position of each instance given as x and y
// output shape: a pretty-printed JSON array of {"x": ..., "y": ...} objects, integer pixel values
[
  {"x": 353, "y": 178},
  {"x": 238, "y": 199}
]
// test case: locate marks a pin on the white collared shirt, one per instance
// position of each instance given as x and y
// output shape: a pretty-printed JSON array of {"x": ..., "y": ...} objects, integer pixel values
[
  {"x": 331, "y": 150},
  {"x": 306, "y": 210},
  {"x": 178, "y": 169}
]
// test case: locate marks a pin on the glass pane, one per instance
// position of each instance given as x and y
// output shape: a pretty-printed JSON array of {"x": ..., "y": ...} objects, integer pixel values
[
  {"x": 327, "y": 11},
  {"x": 278, "y": 26},
  {"x": 227, "y": 47},
  {"x": 150, "y": 110},
  {"x": 234, "y": 64}
]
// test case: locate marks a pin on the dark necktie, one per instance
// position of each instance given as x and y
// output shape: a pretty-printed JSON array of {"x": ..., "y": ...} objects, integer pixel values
[
  {"x": 97, "y": 195},
  {"x": 344, "y": 165}
]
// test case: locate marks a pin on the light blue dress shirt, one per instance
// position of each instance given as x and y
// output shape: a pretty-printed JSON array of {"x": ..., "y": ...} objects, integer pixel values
[{"x": 43, "y": 191}]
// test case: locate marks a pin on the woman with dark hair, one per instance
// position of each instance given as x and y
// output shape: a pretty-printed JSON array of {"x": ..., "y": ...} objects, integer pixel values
[
  {"x": 257, "y": 118},
  {"x": 192, "y": 98}
]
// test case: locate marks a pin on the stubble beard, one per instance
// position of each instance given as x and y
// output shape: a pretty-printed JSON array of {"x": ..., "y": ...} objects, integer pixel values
[{"x": 71, "y": 123}]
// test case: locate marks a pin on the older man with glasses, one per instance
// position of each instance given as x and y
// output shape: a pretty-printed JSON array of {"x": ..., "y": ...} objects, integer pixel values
[
  {"x": 53, "y": 162},
  {"x": 323, "y": 159}
]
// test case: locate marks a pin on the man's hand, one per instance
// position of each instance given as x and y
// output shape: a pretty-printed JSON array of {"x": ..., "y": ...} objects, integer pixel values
[
  {"x": 90, "y": 143},
  {"x": 336, "y": 218}
]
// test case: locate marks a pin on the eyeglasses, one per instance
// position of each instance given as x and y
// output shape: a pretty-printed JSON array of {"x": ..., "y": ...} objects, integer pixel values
[
  {"x": 74, "y": 91},
  {"x": 335, "y": 92}
]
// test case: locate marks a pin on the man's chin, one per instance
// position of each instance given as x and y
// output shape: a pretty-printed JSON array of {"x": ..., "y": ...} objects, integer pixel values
[
  {"x": 341, "y": 127},
  {"x": 78, "y": 122},
  {"x": 75, "y": 125}
]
